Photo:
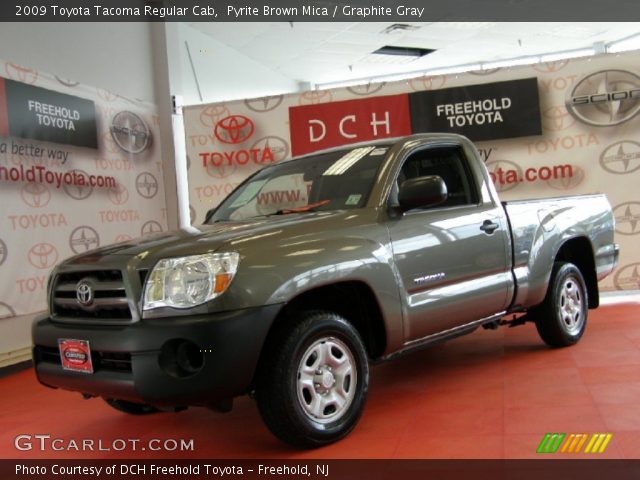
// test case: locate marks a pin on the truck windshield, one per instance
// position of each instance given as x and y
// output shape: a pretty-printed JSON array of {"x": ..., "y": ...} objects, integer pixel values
[{"x": 329, "y": 181}]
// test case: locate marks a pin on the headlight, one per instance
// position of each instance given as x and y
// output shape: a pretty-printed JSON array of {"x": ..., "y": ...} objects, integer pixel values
[{"x": 189, "y": 281}]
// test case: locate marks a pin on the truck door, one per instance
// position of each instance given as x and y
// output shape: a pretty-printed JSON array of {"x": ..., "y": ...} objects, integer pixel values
[{"x": 454, "y": 258}]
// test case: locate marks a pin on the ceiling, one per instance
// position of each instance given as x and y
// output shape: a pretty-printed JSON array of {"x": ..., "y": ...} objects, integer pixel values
[{"x": 331, "y": 52}]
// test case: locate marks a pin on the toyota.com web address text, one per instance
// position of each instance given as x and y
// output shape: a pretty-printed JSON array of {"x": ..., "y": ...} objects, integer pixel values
[
  {"x": 45, "y": 442},
  {"x": 41, "y": 174}
]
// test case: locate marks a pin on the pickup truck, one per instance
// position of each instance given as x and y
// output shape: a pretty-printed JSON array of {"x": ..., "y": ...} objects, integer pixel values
[{"x": 311, "y": 270}]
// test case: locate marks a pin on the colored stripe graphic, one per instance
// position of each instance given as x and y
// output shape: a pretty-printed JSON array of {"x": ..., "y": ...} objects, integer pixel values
[
  {"x": 597, "y": 443},
  {"x": 550, "y": 443}
]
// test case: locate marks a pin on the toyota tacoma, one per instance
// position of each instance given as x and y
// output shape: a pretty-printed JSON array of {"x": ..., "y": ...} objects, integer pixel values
[{"x": 311, "y": 270}]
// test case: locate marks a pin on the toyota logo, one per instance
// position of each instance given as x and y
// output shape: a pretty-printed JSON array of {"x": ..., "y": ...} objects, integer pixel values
[
  {"x": 84, "y": 293},
  {"x": 36, "y": 195},
  {"x": 621, "y": 157},
  {"x": 212, "y": 114},
  {"x": 627, "y": 218},
  {"x": 83, "y": 239},
  {"x": 146, "y": 185},
  {"x": 42, "y": 256},
  {"x": 118, "y": 194},
  {"x": 234, "y": 129},
  {"x": 628, "y": 277},
  {"x": 557, "y": 118},
  {"x": 550, "y": 67},
  {"x": 130, "y": 132},
  {"x": 605, "y": 98},
  {"x": 20, "y": 73},
  {"x": 426, "y": 82},
  {"x": 67, "y": 82}
]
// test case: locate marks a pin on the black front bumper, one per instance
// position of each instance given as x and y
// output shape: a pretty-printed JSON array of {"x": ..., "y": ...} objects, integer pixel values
[{"x": 127, "y": 359}]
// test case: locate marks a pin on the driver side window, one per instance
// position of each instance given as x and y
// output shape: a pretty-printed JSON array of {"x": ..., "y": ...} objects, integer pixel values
[{"x": 450, "y": 164}]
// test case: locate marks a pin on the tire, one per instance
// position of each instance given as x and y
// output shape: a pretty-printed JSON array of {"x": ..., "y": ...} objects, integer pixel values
[
  {"x": 130, "y": 407},
  {"x": 561, "y": 319},
  {"x": 313, "y": 382}
]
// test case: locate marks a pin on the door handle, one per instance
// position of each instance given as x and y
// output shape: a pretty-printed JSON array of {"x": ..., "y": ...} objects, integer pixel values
[{"x": 489, "y": 227}]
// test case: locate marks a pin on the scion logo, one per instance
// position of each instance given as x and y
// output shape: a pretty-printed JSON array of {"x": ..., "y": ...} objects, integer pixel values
[
  {"x": 621, "y": 157},
  {"x": 313, "y": 97},
  {"x": 568, "y": 182},
  {"x": 42, "y": 256},
  {"x": 426, "y": 82},
  {"x": 20, "y": 73},
  {"x": 264, "y": 104},
  {"x": 146, "y": 185},
  {"x": 550, "y": 67},
  {"x": 83, "y": 238},
  {"x": 627, "y": 218},
  {"x": 556, "y": 119},
  {"x": 67, "y": 82},
  {"x": 605, "y": 98},
  {"x": 278, "y": 146},
  {"x": 3, "y": 251},
  {"x": 368, "y": 89},
  {"x": 211, "y": 115},
  {"x": 78, "y": 192},
  {"x": 150, "y": 227},
  {"x": 628, "y": 277},
  {"x": 84, "y": 293},
  {"x": 505, "y": 174},
  {"x": 36, "y": 195},
  {"x": 118, "y": 194},
  {"x": 234, "y": 129},
  {"x": 6, "y": 311},
  {"x": 130, "y": 132}
]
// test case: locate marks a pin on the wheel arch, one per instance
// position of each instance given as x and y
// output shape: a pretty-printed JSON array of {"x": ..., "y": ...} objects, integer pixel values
[{"x": 579, "y": 251}]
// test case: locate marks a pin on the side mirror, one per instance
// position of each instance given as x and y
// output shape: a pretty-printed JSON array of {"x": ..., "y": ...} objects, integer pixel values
[{"x": 422, "y": 192}]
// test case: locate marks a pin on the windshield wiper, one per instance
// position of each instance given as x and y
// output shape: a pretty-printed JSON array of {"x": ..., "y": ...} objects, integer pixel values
[{"x": 312, "y": 207}]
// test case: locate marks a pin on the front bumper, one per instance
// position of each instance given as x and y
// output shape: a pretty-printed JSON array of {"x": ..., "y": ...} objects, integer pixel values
[{"x": 130, "y": 361}]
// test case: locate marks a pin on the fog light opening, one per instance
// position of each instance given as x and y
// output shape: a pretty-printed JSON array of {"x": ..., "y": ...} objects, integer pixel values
[{"x": 181, "y": 358}]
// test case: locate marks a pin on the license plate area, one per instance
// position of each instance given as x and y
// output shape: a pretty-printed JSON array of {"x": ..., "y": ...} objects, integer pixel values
[{"x": 75, "y": 355}]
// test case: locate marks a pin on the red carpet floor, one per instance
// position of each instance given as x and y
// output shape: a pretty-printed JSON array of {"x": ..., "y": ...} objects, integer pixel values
[{"x": 491, "y": 394}]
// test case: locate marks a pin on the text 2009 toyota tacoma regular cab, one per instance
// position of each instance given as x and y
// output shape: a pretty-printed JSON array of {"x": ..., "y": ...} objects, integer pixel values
[{"x": 311, "y": 269}]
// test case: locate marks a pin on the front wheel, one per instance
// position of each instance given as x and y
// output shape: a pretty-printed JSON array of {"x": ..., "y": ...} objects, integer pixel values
[
  {"x": 313, "y": 384},
  {"x": 561, "y": 319}
]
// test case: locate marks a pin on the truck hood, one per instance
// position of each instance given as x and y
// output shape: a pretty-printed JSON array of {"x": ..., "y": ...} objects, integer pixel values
[{"x": 203, "y": 238}]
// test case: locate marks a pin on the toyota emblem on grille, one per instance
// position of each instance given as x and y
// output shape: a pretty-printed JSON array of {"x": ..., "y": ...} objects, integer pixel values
[{"x": 84, "y": 293}]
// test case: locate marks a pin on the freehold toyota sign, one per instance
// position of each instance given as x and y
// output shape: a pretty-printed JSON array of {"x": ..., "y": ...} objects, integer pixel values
[
  {"x": 481, "y": 112},
  {"x": 27, "y": 111}
]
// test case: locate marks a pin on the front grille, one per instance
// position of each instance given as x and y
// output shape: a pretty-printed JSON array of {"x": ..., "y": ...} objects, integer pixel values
[
  {"x": 111, "y": 361},
  {"x": 109, "y": 302}
]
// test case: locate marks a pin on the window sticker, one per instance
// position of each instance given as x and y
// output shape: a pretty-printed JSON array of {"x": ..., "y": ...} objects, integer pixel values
[{"x": 353, "y": 199}]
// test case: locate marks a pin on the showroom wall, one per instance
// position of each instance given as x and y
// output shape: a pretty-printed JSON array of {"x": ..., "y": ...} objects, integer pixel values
[
  {"x": 43, "y": 223},
  {"x": 594, "y": 150}
]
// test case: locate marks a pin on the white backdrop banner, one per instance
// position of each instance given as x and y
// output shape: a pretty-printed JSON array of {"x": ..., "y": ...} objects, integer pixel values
[
  {"x": 59, "y": 200},
  {"x": 590, "y": 140}
]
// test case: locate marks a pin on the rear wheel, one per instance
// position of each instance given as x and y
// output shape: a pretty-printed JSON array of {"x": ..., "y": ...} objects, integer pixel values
[
  {"x": 313, "y": 383},
  {"x": 562, "y": 317},
  {"x": 130, "y": 407}
]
